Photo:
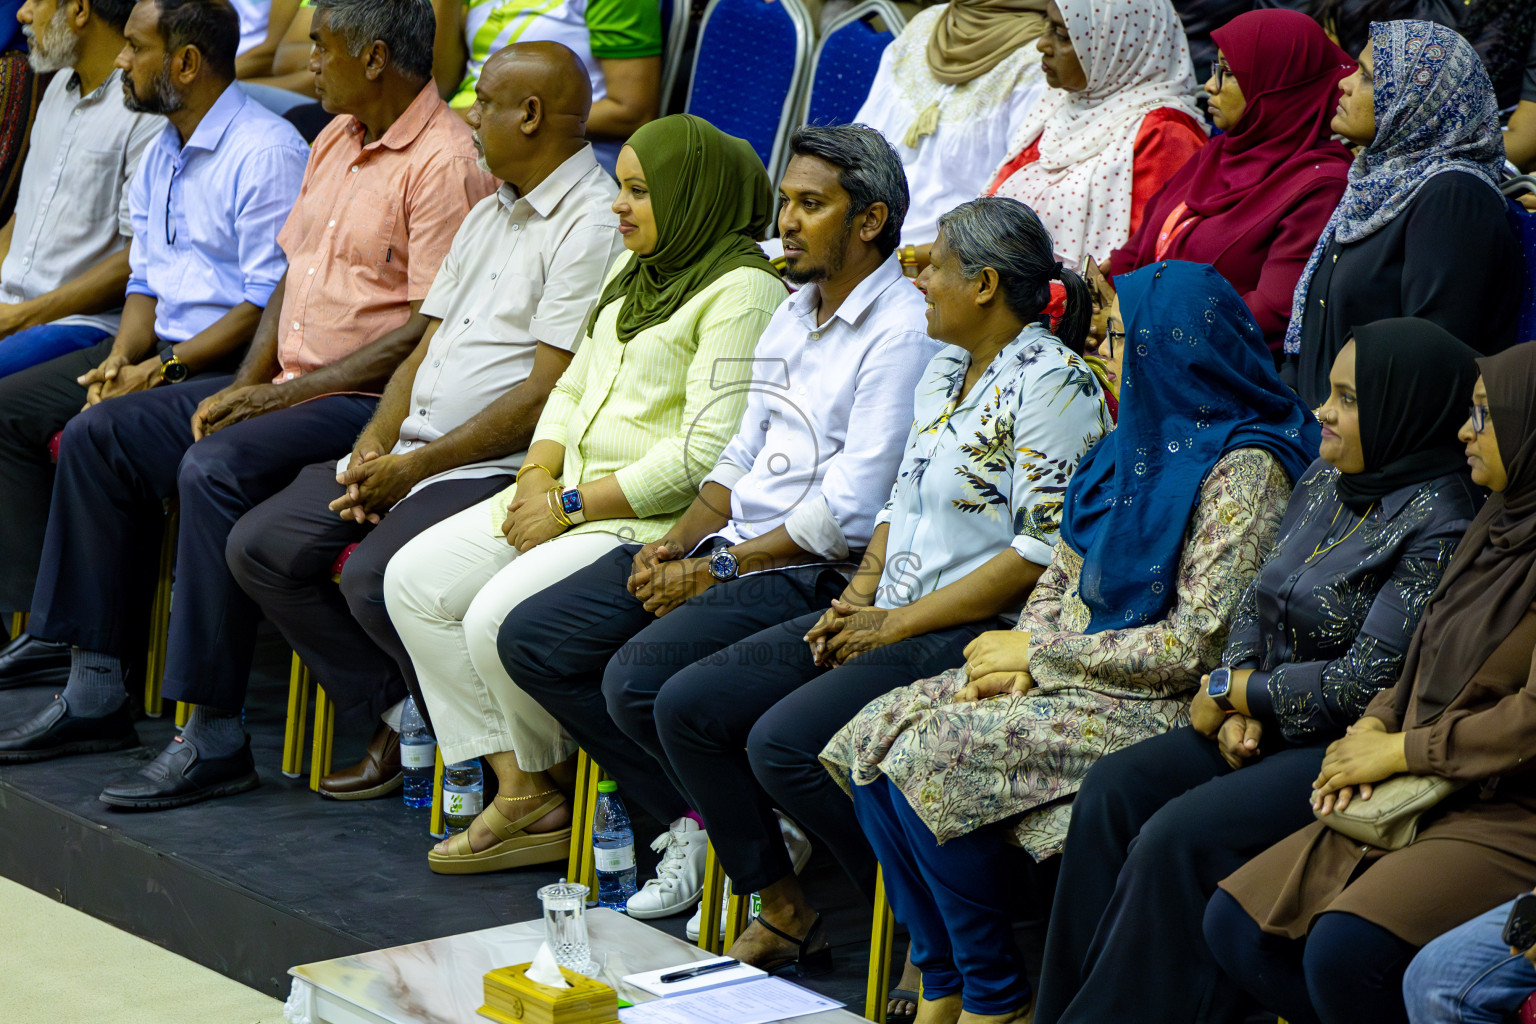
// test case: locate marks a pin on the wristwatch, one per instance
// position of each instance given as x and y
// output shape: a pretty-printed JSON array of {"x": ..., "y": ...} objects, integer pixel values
[
  {"x": 723, "y": 565},
  {"x": 172, "y": 370},
  {"x": 1220, "y": 688},
  {"x": 570, "y": 504}
]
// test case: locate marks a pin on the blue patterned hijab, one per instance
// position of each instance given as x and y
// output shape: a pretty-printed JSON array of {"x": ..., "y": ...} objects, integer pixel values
[
  {"x": 1197, "y": 382},
  {"x": 1435, "y": 112}
]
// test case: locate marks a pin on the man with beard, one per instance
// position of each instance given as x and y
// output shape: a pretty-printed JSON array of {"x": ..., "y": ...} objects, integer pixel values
[
  {"x": 779, "y": 523},
  {"x": 386, "y": 188},
  {"x": 66, "y": 249},
  {"x": 506, "y": 313},
  {"x": 205, "y": 206}
]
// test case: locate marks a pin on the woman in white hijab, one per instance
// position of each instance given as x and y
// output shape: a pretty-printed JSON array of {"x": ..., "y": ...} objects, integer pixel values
[{"x": 1119, "y": 122}]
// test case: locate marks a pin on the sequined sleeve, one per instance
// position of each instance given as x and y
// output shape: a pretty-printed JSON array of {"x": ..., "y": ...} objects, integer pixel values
[{"x": 1308, "y": 698}]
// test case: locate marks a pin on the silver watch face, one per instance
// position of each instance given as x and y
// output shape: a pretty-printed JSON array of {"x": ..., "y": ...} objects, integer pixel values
[{"x": 722, "y": 565}]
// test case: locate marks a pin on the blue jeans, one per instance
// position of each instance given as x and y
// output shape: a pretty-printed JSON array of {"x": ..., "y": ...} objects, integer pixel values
[
  {"x": 1467, "y": 976},
  {"x": 948, "y": 897},
  {"x": 48, "y": 341}
]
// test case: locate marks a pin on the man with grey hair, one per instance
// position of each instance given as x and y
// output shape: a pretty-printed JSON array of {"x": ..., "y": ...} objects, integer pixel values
[
  {"x": 780, "y": 522},
  {"x": 387, "y": 185},
  {"x": 66, "y": 249}
]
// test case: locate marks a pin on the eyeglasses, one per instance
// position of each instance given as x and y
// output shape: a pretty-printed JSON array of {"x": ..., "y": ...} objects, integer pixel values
[
  {"x": 1479, "y": 416},
  {"x": 1109, "y": 342},
  {"x": 1220, "y": 71}
]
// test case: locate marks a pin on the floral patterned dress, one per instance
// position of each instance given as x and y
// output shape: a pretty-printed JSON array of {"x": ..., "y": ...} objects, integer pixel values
[{"x": 1019, "y": 759}]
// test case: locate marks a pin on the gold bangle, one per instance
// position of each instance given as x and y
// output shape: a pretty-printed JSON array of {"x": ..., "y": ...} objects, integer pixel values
[
  {"x": 525, "y": 467},
  {"x": 553, "y": 497}
]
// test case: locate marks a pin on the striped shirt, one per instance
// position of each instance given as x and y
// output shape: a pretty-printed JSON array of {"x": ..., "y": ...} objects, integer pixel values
[{"x": 658, "y": 410}]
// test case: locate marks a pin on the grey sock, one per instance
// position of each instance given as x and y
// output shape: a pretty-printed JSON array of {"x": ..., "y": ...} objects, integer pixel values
[
  {"x": 95, "y": 687},
  {"x": 215, "y": 733}
]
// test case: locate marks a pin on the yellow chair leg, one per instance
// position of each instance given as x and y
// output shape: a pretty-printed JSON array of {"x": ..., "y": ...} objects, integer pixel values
[
  {"x": 296, "y": 725},
  {"x": 435, "y": 827},
  {"x": 878, "y": 988},
  {"x": 183, "y": 712},
  {"x": 325, "y": 732},
  {"x": 160, "y": 620},
  {"x": 714, "y": 890},
  {"x": 18, "y": 624},
  {"x": 738, "y": 914},
  {"x": 576, "y": 863}
]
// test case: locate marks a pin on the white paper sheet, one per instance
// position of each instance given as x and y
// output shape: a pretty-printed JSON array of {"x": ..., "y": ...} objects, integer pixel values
[
  {"x": 651, "y": 982},
  {"x": 752, "y": 1002}
]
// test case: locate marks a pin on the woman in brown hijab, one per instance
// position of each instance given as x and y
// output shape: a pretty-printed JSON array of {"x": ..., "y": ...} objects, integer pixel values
[{"x": 1320, "y": 928}]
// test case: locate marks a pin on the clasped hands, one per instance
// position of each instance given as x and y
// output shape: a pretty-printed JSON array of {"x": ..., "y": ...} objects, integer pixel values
[
  {"x": 117, "y": 375},
  {"x": 1237, "y": 735},
  {"x": 848, "y": 629},
  {"x": 1364, "y": 756},
  {"x": 374, "y": 480},
  {"x": 997, "y": 664},
  {"x": 661, "y": 579}
]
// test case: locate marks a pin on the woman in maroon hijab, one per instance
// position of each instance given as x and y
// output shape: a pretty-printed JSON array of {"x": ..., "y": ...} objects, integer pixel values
[{"x": 1254, "y": 201}]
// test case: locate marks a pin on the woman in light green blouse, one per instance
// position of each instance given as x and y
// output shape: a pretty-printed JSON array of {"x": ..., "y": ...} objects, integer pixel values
[{"x": 654, "y": 393}]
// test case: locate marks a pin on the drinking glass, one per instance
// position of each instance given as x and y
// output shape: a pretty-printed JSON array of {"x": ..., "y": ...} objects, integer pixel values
[{"x": 565, "y": 924}]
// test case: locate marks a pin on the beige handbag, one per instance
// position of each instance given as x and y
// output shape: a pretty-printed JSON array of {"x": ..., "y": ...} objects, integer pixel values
[{"x": 1389, "y": 820}]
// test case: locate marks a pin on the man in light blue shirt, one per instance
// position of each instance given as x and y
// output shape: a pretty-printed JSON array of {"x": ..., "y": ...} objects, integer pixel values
[{"x": 206, "y": 206}]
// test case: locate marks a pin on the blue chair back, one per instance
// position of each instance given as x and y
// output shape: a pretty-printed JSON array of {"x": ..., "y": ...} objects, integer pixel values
[
  {"x": 847, "y": 59},
  {"x": 1524, "y": 224},
  {"x": 674, "y": 31},
  {"x": 747, "y": 71}
]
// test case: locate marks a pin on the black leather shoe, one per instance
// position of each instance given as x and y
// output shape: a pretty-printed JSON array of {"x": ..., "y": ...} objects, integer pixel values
[
  {"x": 179, "y": 776},
  {"x": 54, "y": 732},
  {"x": 28, "y": 661}
]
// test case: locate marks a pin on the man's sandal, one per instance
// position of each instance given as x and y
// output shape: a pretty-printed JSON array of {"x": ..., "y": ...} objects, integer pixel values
[
  {"x": 809, "y": 961},
  {"x": 515, "y": 849}
]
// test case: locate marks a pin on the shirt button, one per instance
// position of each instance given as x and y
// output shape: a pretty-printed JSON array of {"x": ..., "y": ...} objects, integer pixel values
[
  {"x": 421, "y": 412},
  {"x": 802, "y": 390},
  {"x": 332, "y": 224},
  {"x": 493, "y": 277},
  {"x": 437, "y": 362},
  {"x": 815, "y": 335},
  {"x": 354, "y": 170},
  {"x": 466, "y": 319},
  {"x": 517, "y": 227},
  {"x": 295, "y": 325},
  {"x": 26, "y": 261},
  {"x": 311, "y": 271},
  {"x": 288, "y": 375}
]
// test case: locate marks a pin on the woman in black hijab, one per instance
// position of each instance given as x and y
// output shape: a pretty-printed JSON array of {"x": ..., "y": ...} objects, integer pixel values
[{"x": 1366, "y": 536}]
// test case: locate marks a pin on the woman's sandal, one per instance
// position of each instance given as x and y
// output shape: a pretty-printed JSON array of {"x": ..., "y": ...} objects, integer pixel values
[
  {"x": 807, "y": 962},
  {"x": 901, "y": 995},
  {"x": 515, "y": 849}
]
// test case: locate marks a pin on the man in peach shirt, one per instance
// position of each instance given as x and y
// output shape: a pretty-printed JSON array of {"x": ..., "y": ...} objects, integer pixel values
[{"x": 387, "y": 186}]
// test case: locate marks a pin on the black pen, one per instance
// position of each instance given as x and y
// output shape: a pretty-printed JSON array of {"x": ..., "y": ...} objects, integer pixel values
[{"x": 694, "y": 972}]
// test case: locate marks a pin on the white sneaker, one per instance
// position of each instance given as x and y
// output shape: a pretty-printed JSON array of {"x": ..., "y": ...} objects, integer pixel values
[
  {"x": 795, "y": 844},
  {"x": 679, "y": 877}
]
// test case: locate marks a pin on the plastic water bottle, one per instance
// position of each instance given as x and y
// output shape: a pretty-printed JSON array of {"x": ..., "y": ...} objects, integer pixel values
[
  {"x": 613, "y": 848},
  {"x": 463, "y": 794},
  {"x": 418, "y": 756}
]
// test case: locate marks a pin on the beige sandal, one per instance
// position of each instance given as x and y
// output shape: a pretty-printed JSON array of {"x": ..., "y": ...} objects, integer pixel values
[{"x": 516, "y": 848}]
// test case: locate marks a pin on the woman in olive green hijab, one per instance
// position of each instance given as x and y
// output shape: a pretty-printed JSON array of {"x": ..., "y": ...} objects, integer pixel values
[
  {"x": 637, "y": 419},
  {"x": 693, "y": 204}
]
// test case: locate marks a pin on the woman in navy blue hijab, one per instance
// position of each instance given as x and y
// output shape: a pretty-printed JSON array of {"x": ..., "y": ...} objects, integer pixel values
[{"x": 1164, "y": 527}]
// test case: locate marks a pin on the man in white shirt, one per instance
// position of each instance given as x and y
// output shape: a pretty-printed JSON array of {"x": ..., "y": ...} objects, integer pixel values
[
  {"x": 66, "y": 248},
  {"x": 507, "y": 311},
  {"x": 783, "y": 516}
]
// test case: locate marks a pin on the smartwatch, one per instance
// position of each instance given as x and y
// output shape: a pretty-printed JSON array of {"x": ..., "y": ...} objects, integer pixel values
[
  {"x": 723, "y": 565},
  {"x": 172, "y": 370},
  {"x": 1220, "y": 688},
  {"x": 570, "y": 504}
]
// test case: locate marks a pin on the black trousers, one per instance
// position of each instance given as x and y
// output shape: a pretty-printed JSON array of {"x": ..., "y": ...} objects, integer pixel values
[
  {"x": 280, "y": 553},
  {"x": 560, "y": 646},
  {"x": 121, "y": 456},
  {"x": 1154, "y": 828},
  {"x": 35, "y": 403},
  {"x": 1346, "y": 971},
  {"x": 742, "y": 731}
]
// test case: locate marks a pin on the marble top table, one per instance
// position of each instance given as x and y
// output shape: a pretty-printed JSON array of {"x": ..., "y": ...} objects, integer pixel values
[{"x": 442, "y": 981}]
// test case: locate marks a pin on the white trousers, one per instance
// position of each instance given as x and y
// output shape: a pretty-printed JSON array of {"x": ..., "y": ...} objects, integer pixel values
[{"x": 448, "y": 591}]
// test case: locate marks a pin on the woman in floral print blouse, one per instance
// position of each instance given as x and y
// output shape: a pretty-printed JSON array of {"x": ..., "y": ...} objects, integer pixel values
[{"x": 1165, "y": 524}]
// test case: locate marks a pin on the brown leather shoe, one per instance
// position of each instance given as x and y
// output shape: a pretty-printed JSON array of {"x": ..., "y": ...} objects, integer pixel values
[{"x": 377, "y": 774}]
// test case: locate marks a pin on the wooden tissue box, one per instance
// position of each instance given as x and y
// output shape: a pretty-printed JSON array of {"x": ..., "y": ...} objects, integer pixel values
[{"x": 511, "y": 998}]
